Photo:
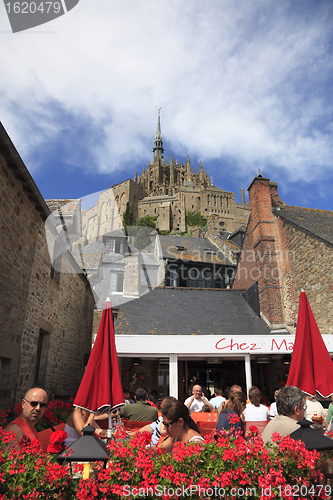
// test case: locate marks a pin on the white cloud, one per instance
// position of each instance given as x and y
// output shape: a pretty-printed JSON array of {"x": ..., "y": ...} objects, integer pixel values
[{"x": 242, "y": 80}]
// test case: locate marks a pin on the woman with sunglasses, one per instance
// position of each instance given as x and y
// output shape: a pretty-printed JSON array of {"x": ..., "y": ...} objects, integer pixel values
[
  {"x": 230, "y": 418},
  {"x": 179, "y": 425},
  {"x": 76, "y": 421}
]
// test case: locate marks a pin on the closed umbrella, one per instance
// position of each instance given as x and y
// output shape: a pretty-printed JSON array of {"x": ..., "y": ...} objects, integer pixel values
[
  {"x": 311, "y": 367},
  {"x": 100, "y": 389}
]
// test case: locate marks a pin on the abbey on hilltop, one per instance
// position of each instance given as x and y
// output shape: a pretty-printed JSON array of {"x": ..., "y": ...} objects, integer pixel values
[{"x": 167, "y": 191}]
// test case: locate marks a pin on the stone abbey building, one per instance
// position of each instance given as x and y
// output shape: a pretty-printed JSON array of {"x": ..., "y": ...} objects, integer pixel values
[{"x": 167, "y": 191}]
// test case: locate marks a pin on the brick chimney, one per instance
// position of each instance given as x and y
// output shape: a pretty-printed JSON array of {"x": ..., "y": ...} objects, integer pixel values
[{"x": 259, "y": 259}]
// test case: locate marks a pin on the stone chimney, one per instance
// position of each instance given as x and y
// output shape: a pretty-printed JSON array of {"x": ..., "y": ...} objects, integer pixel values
[{"x": 132, "y": 275}]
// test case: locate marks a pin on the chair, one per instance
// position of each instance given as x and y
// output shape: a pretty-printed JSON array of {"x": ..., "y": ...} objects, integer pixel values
[
  {"x": 44, "y": 438},
  {"x": 131, "y": 425},
  {"x": 202, "y": 416},
  {"x": 206, "y": 427},
  {"x": 259, "y": 424},
  {"x": 59, "y": 427}
]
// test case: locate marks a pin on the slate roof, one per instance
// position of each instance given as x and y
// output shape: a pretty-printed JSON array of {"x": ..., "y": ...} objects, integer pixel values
[
  {"x": 115, "y": 233},
  {"x": 228, "y": 242},
  {"x": 90, "y": 261},
  {"x": 197, "y": 249},
  {"x": 185, "y": 311},
  {"x": 215, "y": 188},
  {"x": 317, "y": 223},
  {"x": 156, "y": 197},
  {"x": 67, "y": 206}
]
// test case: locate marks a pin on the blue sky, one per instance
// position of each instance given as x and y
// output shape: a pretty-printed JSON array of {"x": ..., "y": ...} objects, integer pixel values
[{"x": 242, "y": 85}]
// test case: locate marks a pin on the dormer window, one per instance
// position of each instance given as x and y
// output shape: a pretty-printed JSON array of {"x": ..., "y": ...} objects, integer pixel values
[
  {"x": 110, "y": 246},
  {"x": 181, "y": 248}
]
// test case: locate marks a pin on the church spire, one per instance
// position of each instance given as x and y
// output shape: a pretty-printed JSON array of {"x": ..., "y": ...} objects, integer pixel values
[{"x": 158, "y": 144}]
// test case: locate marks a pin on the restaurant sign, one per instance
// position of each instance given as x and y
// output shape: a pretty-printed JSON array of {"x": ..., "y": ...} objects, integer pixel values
[{"x": 209, "y": 345}]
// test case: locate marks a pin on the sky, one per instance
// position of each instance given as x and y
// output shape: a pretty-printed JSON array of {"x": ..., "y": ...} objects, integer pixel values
[{"x": 242, "y": 85}]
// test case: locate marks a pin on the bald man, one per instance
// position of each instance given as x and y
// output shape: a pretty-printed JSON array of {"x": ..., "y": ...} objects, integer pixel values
[
  {"x": 34, "y": 404},
  {"x": 197, "y": 400}
]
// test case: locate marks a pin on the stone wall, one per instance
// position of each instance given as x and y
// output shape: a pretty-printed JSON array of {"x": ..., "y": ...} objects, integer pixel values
[
  {"x": 62, "y": 311},
  {"x": 311, "y": 263},
  {"x": 36, "y": 311},
  {"x": 19, "y": 231}
]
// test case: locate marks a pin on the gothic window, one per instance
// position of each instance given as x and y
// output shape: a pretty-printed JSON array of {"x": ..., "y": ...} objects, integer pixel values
[{"x": 208, "y": 199}]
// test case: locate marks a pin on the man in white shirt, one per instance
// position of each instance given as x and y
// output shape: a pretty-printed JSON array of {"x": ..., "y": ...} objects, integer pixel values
[
  {"x": 313, "y": 407},
  {"x": 215, "y": 402},
  {"x": 197, "y": 400}
]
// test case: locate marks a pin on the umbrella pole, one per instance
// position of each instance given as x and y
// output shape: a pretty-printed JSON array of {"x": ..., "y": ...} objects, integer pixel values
[{"x": 109, "y": 435}]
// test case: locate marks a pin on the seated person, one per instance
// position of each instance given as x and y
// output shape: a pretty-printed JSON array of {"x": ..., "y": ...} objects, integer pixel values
[
  {"x": 141, "y": 410},
  {"x": 218, "y": 399},
  {"x": 291, "y": 407},
  {"x": 195, "y": 402},
  {"x": 206, "y": 409},
  {"x": 273, "y": 409},
  {"x": 34, "y": 404},
  {"x": 179, "y": 425},
  {"x": 227, "y": 392},
  {"x": 313, "y": 407},
  {"x": 233, "y": 408},
  {"x": 255, "y": 411},
  {"x": 156, "y": 429},
  {"x": 127, "y": 397},
  {"x": 329, "y": 415},
  {"x": 76, "y": 421}
]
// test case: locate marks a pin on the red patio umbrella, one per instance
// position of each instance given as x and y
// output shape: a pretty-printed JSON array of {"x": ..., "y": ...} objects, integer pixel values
[
  {"x": 100, "y": 389},
  {"x": 311, "y": 367}
]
